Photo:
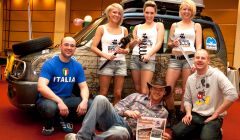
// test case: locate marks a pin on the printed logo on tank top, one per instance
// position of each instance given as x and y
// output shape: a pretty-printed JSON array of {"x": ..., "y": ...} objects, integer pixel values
[
  {"x": 112, "y": 47},
  {"x": 65, "y": 78},
  {"x": 183, "y": 41}
]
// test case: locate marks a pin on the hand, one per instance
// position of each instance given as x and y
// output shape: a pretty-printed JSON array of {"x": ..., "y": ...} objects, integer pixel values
[
  {"x": 110, "y": 57},
  {"x": 187, "y": 119},
  {"x": 166, "y": 136},
  {"x": 133, "y": 114},
  {"x": 176, "y": 42},
  {"x": 82, "y": 107},
  {"x": 213, "y": 117},
  {"x": 145, "y": 58},
  {"x": 122, "y": 51},
  {"x": 193, "y": 68},
  {"x": 63, "y": 109}
]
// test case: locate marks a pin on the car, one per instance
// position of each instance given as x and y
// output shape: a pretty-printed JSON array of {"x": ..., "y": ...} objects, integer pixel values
[{"x": 23, "y": 71}]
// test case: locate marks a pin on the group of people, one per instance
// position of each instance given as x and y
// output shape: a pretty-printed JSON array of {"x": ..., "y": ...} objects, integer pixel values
[{"x": 204, "y": 103}]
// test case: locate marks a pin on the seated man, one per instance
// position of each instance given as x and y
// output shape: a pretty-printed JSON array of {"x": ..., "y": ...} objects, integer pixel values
[
  {"x": 110, "y": 119},
  {"x": 55, "y": 84},
  {"x": 208, "y": 95}
]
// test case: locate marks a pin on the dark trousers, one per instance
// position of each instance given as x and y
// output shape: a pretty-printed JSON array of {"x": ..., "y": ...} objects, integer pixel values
[
  {"x": 49, "y": 111},
  {"x": 206, "y": 131}
]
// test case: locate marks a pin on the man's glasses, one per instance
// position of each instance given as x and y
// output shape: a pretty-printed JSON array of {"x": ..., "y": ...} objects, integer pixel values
[{"x": 68, "y": 44}]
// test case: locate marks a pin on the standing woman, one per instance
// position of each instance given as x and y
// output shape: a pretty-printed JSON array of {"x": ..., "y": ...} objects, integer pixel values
[
  {"x": 110, "y": 34},
  {"x": 187, "y": 35},
  {"x": 148, "y": 38}
]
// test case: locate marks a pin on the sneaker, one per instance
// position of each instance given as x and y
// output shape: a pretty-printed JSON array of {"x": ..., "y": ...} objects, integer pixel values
[
  {"x": 67, "y": 127},
  {"x": 70, "y": 136},
  {"x": 47, "y": 132}
]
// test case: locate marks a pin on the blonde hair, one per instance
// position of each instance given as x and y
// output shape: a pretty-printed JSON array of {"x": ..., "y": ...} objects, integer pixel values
[
  {"x": 115, "y": 6},
  {"x": 150, "y": 3},
  {"x": 192, "y": 6}
]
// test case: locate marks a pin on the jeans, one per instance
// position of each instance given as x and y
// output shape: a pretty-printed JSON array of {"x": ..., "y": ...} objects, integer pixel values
[
  {"x": 102, "y": 112},
  {"x": 49, "y": 111},
  {"x": 208, "y": 131}
]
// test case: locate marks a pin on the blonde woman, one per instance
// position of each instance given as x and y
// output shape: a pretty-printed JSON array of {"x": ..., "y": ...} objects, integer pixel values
[
  {"x": 148, "y": 38},
  {"x": 110, "y": 34},
  {"x": 185, "y": 37}
]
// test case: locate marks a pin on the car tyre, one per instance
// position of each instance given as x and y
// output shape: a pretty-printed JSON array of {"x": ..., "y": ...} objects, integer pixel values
[{"x": 31, "y": 46}]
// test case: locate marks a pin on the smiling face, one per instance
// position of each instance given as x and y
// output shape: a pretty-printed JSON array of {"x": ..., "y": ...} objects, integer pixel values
[
  {"x": 156, "y": 94},
  {"x": 186, "y": 12},
  {"x": 68, "y": 47},
  {"x": 115, "y": 16},
  {"x": 114, "y": 13},
  {"x": 201, "y": 61},
  {"x": 187, "y": 9},
  {"x": 149, "y": 14}
]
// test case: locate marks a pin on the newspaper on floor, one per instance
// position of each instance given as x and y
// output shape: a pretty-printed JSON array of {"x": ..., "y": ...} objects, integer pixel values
[{"x": 149, "y": 128}]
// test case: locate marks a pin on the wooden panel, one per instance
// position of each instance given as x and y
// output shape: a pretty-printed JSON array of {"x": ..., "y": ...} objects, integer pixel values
[
  {"x": 19, "y": 26},
  {"x": 222, "y": 16},
  {"x": 43, "y": 16},
  {"x": 230, "y": 59},
  {"x": 19, "y": 15},
  {"x": 82, "y": 14},
  {"x": 86, "y": 4},
  {"x": 108, "y": 2},
  {"x": 221, "y": 4},
  {"x": 229, "y": 32},
  {"x": 18, "y": 36},
  {"x": 43, "y": 4},
  {"x": 37, "y": 35},
  {"x": 19, "y": 4},
  {"x": 43, "y": 26}
]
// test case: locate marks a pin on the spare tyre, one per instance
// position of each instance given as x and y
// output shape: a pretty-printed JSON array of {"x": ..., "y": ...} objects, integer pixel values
[{"x": 31, "y": 46}]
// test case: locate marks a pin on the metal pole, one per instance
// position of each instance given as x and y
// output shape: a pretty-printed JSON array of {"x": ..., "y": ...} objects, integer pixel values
[{"x": 29, "y": 21}]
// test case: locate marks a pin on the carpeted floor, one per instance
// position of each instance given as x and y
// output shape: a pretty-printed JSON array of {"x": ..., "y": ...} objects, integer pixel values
[{"x": 18, "y": 125}]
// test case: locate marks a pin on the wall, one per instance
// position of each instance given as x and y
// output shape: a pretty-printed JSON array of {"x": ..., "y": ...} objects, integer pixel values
[
  {"x": 16, "y": 20},
  {"x": 225, "y": 14}
]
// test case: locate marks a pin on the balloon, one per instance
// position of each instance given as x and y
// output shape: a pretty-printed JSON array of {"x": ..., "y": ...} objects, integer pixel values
[{"x": 77, "y": 21}]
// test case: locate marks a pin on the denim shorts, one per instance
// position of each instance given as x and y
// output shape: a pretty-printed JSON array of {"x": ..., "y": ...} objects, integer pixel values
[
  {"x": 136, "y": 64},
  {"x": 115, "y": 67},
  {"x": 179, "y": 64}
]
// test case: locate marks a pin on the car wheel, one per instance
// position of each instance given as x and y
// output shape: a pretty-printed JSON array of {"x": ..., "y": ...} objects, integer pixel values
[{"x": 31, "y": 46}]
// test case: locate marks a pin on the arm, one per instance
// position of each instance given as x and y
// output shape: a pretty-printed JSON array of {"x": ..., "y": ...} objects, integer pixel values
[
  {"x": 223, "y": 107},
  {"x": 96, "y": 41},
  {"x": 187, "y": 104},
  {"x": 124, "y": 50},
  {"x": 135, "y": 39},
  {"x": 230, "y": 95},
  {"x": 82, "y": 107},
  {"x": 172, "y": 42},
  {"x": 198, "y": 31},
  {"x": 46, "y": 92},
  {"x": 160, "y": 37},
  {"x": 125, "y": 104}
]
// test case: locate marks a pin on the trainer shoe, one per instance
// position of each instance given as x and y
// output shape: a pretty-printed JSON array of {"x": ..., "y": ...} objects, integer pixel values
[
  {"x": 67, "y": 127},
  {"x": 47, "y": 132}
]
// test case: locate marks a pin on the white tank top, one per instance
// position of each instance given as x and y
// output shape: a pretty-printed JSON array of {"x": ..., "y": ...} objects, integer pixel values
[
  {"x": 110, "y": 42},
  {"x": 187, "y": 38},
  {"x": 149, "y": 39}
]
